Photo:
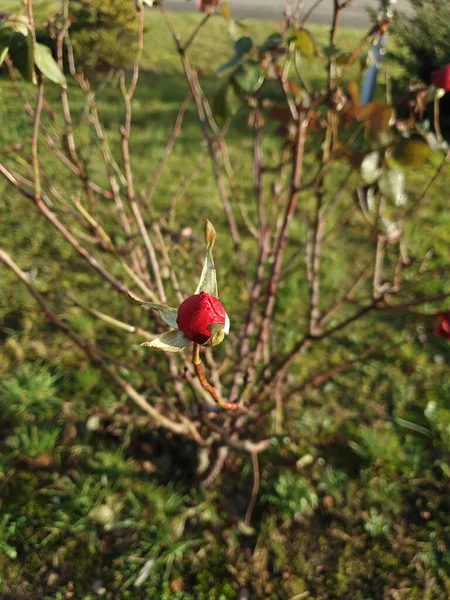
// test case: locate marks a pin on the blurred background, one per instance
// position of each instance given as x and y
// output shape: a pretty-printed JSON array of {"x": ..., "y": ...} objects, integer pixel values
[{"x": 353, "y": 501}]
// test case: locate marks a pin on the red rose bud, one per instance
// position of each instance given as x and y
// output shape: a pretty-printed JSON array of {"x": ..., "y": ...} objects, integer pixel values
[
  {"x": 443, "y": 329},
  {"x": 441, "y": 78},
  {"x": 197, "y": 313}
]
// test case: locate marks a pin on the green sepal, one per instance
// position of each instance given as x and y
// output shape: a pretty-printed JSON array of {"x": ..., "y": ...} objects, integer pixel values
[
  {"x": 168, "y": 314},
  {"x": 208, "y": 278},
  {"x": 21, "y": 53},
  {"x": 170, "y": 341},
  {"x": 217, "y": 334}
]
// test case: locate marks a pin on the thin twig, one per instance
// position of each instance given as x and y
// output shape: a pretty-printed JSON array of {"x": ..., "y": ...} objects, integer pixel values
[
  {"x": 168, "y": 149},
  {"x": 255, "y": 489},
  {"x": 35, "y": 136},
  {"x": 50, "y": 216},
  {"x": 282, "y": 238},
  {"x": 195, "y": 89},
  {"x": 138, "y": 216},
  {"x": 198, "y": 27},
  {"x": 89, "y": 349},
  {"x": 310, "y": 11}
]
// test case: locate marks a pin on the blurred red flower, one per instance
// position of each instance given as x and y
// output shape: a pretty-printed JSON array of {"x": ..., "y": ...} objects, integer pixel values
[
  {"x": 441, "y": 78},
  {"x": 443, "y": 328}
]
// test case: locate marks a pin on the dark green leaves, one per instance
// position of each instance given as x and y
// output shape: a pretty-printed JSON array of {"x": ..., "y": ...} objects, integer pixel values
[
  {"x": 25, "y": 53},
  {"x": 243, "y": 45},
  {"x": 411, "y": 152},
  {"x": 330, "y": 51},
  {"x": 248, "y": 77},
  {"x": 47, "y": 65},
  {"x": 271, "y": 42},
  {"x": 21, "y": 52},
  {"x": 226, "y": 103}
]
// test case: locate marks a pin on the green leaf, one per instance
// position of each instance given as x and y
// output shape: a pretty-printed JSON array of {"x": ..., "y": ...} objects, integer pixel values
[
  {"x": 236, "y": 60},
  {"x": 47, "y": 65},
  {"x": 170, "y": 341},
  {"x": 3, "y": 54},
  {"x": 5, "y": 34},
  {"x": 167, "y": 314},
  {"x": 225, "y": 103},
  {"x": 249, "y": 77},
  {"x": 340, "y": 61},
  {"x": 411, "y": 152},
  {"x": 243, "y": 45},
  {"x": 392, "y": 185},
  {"x": 208, "y": 279},
  {"x": 330, "y": 51},
  {"x": 15, "y": 23},
  {"x": 21, "y": 53},
  {"x": 370, "y": 167},
  {"x": 304, "y": 43},
  {"x": 217, "y": 334},
  {"x": 271, "y": 42}
]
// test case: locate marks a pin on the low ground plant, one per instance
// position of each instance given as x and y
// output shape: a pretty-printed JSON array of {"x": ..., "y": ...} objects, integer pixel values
[{"x": 317, "y": 424}]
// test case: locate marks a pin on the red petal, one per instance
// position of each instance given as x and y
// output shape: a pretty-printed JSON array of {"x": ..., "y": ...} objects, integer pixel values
[
  {"x": 441, "y": 77},
  {"x": 197, "y": 313}
]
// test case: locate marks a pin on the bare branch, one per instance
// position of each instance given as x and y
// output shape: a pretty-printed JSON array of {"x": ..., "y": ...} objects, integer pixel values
[
  {"x": 90, "y": 350},
  {"x": 255, "y": 489}
]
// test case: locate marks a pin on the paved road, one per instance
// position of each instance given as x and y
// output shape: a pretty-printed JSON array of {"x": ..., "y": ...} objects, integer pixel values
[{"x": 354, "y": 16}]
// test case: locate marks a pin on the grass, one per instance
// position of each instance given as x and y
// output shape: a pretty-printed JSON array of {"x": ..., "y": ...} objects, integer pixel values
[{"x": 354, "y": 497}]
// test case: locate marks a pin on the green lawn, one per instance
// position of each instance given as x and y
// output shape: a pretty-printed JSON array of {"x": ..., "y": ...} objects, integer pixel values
[{"x": 354, "y": 495}]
